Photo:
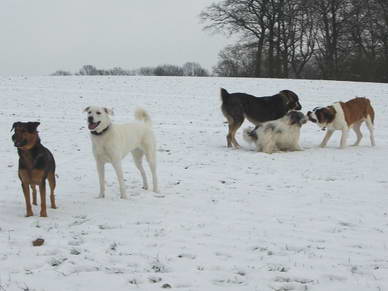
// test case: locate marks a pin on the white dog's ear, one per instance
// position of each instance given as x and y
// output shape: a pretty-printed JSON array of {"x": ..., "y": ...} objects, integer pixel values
[
  {"x": 108, "y": 111},
  {"x": 86, "y": 109}
]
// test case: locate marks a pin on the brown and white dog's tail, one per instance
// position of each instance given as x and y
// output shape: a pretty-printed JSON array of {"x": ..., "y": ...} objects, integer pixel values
[
  {"x": 142, "y": 115},
  {"x": 370, "y": 111}
]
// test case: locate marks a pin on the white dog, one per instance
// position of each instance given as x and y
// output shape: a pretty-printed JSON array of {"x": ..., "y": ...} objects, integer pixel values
[
  {"x": 112, "y": 142},
  {"x": 278, "y": 135}
]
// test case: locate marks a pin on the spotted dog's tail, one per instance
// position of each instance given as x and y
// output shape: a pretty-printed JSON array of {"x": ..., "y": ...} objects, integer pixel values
[
  {"x": 250, "y": 135},
  {"x": 142, "y": 115}
]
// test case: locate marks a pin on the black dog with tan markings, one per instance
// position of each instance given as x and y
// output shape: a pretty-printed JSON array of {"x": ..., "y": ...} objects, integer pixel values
[
  {"x": 36, "y": 164},
  {"x": 238, "y": 106}
]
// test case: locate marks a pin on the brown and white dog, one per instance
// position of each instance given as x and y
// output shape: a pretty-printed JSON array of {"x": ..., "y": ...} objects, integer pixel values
[{"x": 344, "y": 116}]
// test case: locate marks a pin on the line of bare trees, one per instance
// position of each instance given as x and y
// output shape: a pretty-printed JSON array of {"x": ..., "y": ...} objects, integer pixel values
[
  {"x": 189, "y": 69},
  {"x": 328, "y": 39}
]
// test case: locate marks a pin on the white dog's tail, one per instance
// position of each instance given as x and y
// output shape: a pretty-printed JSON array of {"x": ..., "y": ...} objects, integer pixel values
[
  {"x": 141, "y": 114},
  {"x": 250, "y": 135}
]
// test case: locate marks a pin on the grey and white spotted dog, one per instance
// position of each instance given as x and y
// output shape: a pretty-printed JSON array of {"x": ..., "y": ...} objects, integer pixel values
[{"x": 278, "y": 135}]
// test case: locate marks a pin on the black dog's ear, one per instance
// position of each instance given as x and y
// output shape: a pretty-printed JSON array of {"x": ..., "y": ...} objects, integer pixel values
[
  {"x": 32, "y": 126},
  {"x": 292, "y": 100},
  {"x": 15, "y": 124},
  {"x": 291, "y": 96}
]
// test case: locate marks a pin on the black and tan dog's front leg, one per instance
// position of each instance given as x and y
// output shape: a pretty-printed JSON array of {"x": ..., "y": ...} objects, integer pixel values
[
  {"x": 34, "y": 201},
  {"x": 39, "y": 178},
  {"x": 26, "y": 192},
  {"x": 42, "y": 191},
  {"x": 25, "y": 179},
  {"x": 52, "y": 184}
]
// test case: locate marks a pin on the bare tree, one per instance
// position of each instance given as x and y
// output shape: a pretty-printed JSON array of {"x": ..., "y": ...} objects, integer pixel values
[
  {"x": 194, "y": 69},
  {"x": 168, "y": 70},
  {"x": 236, "y": 61},
  {"x": 88, "y": 70},
  {"x": 61, "y": 73},
  {"x": 243, "y": 17},
  {"x": 303, "y": 37},
  {"x": 282, "y": 30},
  {"x": 332, "y": 39}
]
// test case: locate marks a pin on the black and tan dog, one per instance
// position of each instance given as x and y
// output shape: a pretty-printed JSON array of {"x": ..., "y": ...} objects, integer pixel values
[
  {"x": 238, "y": 106},
  {"x": 36, "y": 164}
]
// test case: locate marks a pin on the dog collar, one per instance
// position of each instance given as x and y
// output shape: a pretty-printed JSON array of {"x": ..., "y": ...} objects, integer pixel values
[{"x": 101, "y": 132}]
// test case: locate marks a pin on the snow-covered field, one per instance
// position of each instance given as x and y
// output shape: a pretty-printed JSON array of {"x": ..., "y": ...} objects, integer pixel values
[{"x": 229, "y": 219}]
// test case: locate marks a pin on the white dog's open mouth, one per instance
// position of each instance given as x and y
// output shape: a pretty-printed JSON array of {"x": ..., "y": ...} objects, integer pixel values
[{"x": 93, "y": 125}]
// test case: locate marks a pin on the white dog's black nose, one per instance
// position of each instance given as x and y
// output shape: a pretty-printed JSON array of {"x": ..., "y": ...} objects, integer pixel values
[{"x": 90, "y": 119}]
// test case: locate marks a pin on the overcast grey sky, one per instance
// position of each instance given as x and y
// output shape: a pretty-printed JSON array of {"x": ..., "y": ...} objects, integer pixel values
[{"x": 42, "y": 36}]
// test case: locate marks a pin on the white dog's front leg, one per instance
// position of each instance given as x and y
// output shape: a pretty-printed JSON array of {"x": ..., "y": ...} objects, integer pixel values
[
  {"x": 344, "y": 137},
  {"x": 119, "y": 172},
  {"x": 268, "y": 143},
  {"x": 269, "y": 148},
  {"x": 328, "y": 135},
  {"x": 101, "y": 177},
  {"x": 296, "y": 147}
]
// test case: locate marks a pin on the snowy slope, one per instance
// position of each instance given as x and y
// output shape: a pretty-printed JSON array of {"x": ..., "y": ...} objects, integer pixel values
[{"x": 229, "y": 220}]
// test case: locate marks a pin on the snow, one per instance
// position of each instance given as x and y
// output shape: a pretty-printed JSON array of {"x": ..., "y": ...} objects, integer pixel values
[{"x": 228, "y": 219}]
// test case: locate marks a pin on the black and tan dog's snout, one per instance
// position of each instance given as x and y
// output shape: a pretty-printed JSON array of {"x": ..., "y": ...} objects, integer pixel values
[
  {"x": 18, "y": 141},
  {"x": 20, "y": 144},
  {"x": 298, "y": 106}
]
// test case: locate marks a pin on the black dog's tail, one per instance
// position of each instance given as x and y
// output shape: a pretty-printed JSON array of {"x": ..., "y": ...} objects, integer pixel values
[{"x": 224, "y": 95}]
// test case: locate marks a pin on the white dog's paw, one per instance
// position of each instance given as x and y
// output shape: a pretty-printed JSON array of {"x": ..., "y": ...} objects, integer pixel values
[
  {"x": 158, "y": 195},
  {"x": 297, "y": 149}
]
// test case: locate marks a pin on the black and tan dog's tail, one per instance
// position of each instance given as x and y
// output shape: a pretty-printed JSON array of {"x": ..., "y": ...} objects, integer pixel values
[
  {"x": 224, "y": 96},
  {"x": 250, "y": 135}
]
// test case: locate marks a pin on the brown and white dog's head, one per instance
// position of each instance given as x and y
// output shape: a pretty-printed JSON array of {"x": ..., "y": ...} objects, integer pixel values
[
  {"x": 322, "y": 116},
  {"x": 98, "y": 118}
]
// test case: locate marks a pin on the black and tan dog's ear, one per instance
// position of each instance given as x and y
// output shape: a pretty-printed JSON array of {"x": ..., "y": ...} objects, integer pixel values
[
  {"x": 108, "y": 111},
  {"x": 86, "y": 109},
  {"x": 14, "y": 125},
  {"x": 292, "y": 99},
  {"x": 287, "y": 96},
  {"x": 32, "y": 126}
]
